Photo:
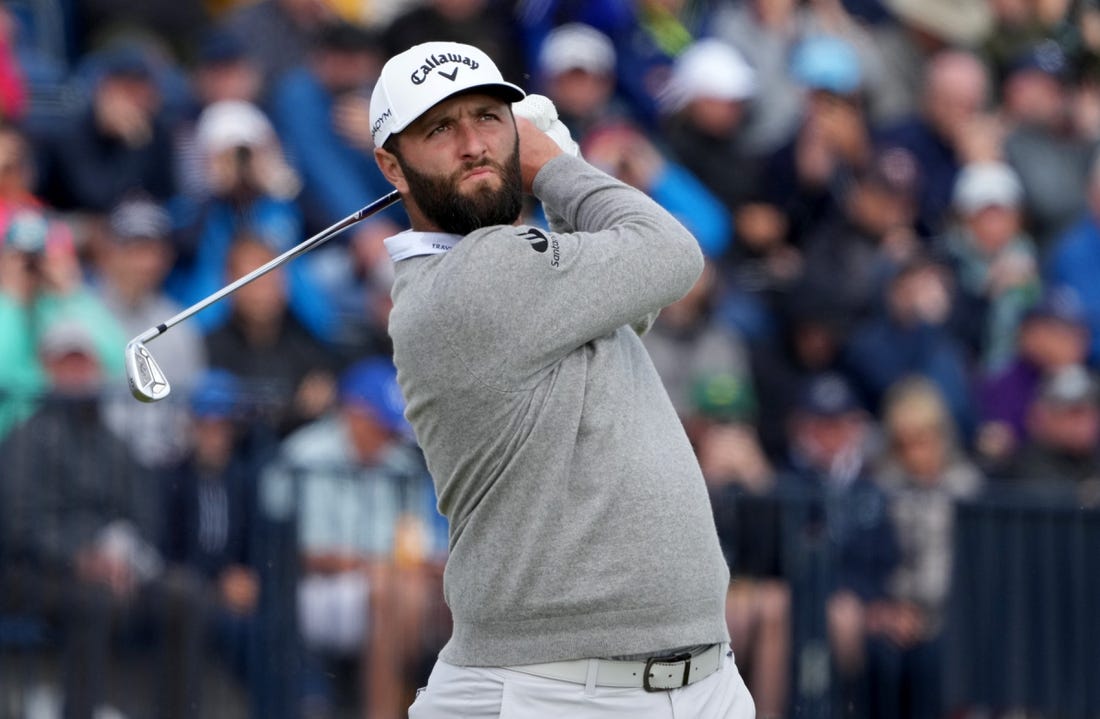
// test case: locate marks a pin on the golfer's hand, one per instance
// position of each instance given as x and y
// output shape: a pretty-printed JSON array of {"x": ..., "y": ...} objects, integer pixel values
[{"x": 536, "y": 148}]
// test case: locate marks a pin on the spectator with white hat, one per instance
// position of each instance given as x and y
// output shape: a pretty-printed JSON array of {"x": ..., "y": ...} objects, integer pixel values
[
  {"x": 576, "y": 68},
  {"x": 706, "y": 103},
  {"x": 251, "y": 188},
  {"x": 994, "y": 259}
]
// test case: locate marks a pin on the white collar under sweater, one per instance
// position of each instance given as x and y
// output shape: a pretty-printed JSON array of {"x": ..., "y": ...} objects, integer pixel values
[{"x": 412, "y": 243}]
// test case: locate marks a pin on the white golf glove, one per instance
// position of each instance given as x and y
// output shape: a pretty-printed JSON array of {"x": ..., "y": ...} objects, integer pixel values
[{"x": 540, "y": 110}]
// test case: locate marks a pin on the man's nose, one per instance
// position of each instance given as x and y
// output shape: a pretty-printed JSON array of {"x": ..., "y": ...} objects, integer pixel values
[{"x": 470, "y": 141}]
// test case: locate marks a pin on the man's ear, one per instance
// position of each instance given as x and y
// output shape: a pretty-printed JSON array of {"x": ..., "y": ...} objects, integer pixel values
[{"x": 391, "y": 169}]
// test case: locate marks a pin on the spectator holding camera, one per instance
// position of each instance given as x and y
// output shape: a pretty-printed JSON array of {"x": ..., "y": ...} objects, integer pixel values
[
  {"x": 120, "y": 142},
  {"x": 251, "y": 189},
  {"x": 40, "y": 281}
]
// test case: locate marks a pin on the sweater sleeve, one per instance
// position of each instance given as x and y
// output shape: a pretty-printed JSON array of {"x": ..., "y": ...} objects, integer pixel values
[{"x": 520, "y": 297}]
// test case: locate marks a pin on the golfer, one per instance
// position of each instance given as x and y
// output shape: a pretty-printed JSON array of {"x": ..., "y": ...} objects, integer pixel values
[{"x": 585, "y": 576}]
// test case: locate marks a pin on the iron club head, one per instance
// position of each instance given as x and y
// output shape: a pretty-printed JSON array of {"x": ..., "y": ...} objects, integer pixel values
[{"x": 147, "y": 380}]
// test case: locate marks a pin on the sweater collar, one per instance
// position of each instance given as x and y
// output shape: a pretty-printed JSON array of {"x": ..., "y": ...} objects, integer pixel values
[{"x": 412, "y": 243}]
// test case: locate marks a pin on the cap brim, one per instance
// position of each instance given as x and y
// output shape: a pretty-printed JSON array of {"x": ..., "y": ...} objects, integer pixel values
[{"x": 504, "y": 90}]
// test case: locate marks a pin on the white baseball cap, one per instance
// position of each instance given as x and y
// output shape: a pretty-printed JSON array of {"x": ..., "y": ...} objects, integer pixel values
[
  {"x": 986, "y": 184},
  {"x": 710, "y": 68},
  {"x": 576, "y": 46},
  {"x": 413, "y": 81},
  {"x": 226, "y": 124}
]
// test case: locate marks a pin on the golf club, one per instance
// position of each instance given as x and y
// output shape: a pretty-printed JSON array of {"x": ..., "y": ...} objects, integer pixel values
[{"x": 148, "y": 382}]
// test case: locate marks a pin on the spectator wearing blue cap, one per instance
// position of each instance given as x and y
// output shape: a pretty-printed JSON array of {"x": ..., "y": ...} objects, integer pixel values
[
  {"x": 119, "y": 143},
  {"x": 831, "y": 440},
  {"x": 805, "y": 176},
  {"x": 370, "y": 538},
  {"x": 769, "y": 35},
  {"x": 210, "y": 519},
  {"x": 1046, "y": 143}
]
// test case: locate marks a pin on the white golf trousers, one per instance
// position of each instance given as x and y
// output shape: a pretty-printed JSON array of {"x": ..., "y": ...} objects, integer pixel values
[{"x": 494, "y": 693}]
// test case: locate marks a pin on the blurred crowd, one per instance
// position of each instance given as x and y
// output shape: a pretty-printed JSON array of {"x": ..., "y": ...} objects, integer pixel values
[{"x": 899, "y": 202}]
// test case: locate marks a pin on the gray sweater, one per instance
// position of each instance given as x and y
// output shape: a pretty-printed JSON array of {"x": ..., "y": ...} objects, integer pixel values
[{"x": 580, "y": 523}]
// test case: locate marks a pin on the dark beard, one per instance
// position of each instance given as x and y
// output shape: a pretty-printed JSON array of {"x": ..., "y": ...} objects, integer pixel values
[{"x": 439, "y": 200}]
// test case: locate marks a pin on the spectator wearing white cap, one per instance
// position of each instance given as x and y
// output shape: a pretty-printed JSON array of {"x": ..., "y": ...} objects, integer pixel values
[
  {"x": 576, "y": 68},
  {"x": 705, "y": 106},
  {"x": 994, "y": 259},
  {"x": 250, "y": 189}
]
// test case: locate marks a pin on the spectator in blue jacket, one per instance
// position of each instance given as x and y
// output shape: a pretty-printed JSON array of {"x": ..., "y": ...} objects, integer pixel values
[
  {"x": 950, "y": 129},
  {"x": 1074, "y": 261},
  {"x": 209, "y": 510},
  {"x": 251, "y": 189},
  {"x": 912, "y": 336},
  {"x": 321, "y": 112},
  {"x": 120, "y": 142},
  {"x": 626, "y": 152},
  {"x": 845, "y": 518}
]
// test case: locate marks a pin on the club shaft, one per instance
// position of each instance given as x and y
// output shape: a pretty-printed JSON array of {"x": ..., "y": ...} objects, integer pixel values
[{"x": 319, "y": 239}]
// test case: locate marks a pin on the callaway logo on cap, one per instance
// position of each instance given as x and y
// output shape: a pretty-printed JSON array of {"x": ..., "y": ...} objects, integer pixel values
[{"x": 415, "y": 80}]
